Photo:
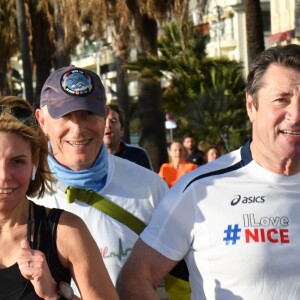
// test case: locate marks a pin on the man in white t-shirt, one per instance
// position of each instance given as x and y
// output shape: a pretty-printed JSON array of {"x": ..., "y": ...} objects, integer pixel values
[
  {"x": 235, "y": 221},
  {"x": 72, "y": 114}
]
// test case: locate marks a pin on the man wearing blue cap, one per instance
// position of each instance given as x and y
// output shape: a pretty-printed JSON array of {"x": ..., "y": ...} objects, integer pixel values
[{"x": 72, "y": 114}]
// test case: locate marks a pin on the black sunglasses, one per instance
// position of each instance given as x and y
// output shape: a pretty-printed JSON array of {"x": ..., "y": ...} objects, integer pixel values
[{"x": 20, "y": 113}]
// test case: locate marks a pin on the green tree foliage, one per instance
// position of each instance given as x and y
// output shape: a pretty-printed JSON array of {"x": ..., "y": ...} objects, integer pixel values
[
  {"x": 204, "y": 95},
  {"x": 217, "y": 113}
]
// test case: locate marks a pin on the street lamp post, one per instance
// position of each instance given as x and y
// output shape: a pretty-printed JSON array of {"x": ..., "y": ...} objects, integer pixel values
[
  {"x": 97, "y": 47},
  {"x": 170, "y": 124}
]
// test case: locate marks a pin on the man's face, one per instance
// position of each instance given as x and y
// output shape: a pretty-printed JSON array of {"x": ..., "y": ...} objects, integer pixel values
[
  {"x": 276, "y": 121},
  {"x": 113, "y": 130},
  {"x": 189, "y": 143},
  {"x": 75, "y": 138}
]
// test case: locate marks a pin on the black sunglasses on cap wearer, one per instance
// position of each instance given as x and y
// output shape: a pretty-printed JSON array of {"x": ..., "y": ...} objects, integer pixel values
[{"x": 22, "y": 114}]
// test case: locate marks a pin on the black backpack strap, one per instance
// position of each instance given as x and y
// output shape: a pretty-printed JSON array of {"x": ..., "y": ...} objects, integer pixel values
[
  {"x": 53, "y": 219},
  {"x": 45, "y": 233}
]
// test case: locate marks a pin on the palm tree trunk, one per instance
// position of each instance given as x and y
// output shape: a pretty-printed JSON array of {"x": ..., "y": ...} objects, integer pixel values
[
  {"x": 5, "y": 88},
  {"x": 25, "y": 52},
  {"x": 123, "y": 98},
  {"x": 255, "y": 29},
  {"x": 62, "y": 58},
  {"x": 152, "y": 129},
  {"x": 42, "y": 47}
]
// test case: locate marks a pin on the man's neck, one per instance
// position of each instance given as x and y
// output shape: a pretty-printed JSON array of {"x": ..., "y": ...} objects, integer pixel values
[
  {"x": 113, "y": 148},
  {"x": 189, "y": 152}
]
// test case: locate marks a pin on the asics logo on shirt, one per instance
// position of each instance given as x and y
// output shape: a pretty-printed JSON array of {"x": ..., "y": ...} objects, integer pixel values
[{"x": 247, "y": 200}]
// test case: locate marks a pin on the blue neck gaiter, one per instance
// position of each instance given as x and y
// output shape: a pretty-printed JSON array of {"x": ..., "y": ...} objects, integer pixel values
[{"x": 93, "y": 178}]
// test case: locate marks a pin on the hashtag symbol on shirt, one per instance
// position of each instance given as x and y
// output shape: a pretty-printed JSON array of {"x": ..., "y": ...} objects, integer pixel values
[{"x": 232, "y": 234}]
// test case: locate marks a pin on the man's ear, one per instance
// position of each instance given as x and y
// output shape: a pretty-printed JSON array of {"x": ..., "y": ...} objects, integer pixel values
[
  {"x": 251, "y": 110},
  {"x": 107, "y": 111},
  {"x": 39, "y": 114}
]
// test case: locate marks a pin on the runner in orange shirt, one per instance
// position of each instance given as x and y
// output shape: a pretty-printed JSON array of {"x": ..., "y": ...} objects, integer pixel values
[{"x": 178, "y": 166}]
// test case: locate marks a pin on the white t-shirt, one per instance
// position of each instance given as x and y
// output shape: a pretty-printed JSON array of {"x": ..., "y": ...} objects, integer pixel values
[
  {"x": 130, "y": 186},
  {"x": 238, "y": 227}
]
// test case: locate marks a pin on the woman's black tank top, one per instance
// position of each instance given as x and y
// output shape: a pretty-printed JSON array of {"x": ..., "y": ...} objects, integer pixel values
[{"x": 13, "y": 286}]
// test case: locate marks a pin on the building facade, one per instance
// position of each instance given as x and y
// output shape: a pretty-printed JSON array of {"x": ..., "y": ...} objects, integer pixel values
[
  {"x": 285, "y": 21},
  {"x": 226, "y": 23}
]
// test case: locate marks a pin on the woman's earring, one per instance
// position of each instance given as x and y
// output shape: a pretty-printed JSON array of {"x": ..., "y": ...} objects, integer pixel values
[{"x": 33, "y": 172}]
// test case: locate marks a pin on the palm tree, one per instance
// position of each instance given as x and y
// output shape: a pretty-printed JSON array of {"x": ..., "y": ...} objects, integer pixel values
[
  {"x": 42, "y": 43},
  {"x": 56, "y": 33},
  {"x": 36, "y": 22},
  {"x": 121, "y": 47},
  {"x": 25, "y": 50},
  {"x": 9, "y": 43},
  {"x": 62, "y": 59},
  {"x": 140, "y": 17},
  {"x": 143, "y": 17},
  {"x": 217, "y": 114},
  {"x": 254, "y": 26},
  {"x": 151, "y": 117},
  {"x": 203, "y": 95}
]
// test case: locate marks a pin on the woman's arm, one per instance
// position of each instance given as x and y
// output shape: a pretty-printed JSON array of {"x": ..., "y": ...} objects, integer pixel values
[{"x": 78, "y": 251}]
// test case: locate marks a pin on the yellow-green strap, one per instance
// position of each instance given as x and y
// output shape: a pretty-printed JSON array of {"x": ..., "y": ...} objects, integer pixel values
[
  {"x": 108, "y": 207},
  {"x": 176, "y": 288}
]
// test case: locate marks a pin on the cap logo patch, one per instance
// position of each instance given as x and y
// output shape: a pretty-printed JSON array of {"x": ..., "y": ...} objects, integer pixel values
[{"x": 76, "y": 82}]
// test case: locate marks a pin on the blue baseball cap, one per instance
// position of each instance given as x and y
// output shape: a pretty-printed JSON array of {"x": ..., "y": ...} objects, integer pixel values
[{"x": 71, "y": 89}]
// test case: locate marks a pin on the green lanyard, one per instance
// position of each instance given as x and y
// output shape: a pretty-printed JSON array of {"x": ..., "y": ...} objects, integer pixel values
[{"x": 106, "y": 206}]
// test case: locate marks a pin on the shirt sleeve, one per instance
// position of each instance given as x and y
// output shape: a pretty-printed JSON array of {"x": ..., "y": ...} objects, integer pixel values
[{"x": 170, "y": 231}]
